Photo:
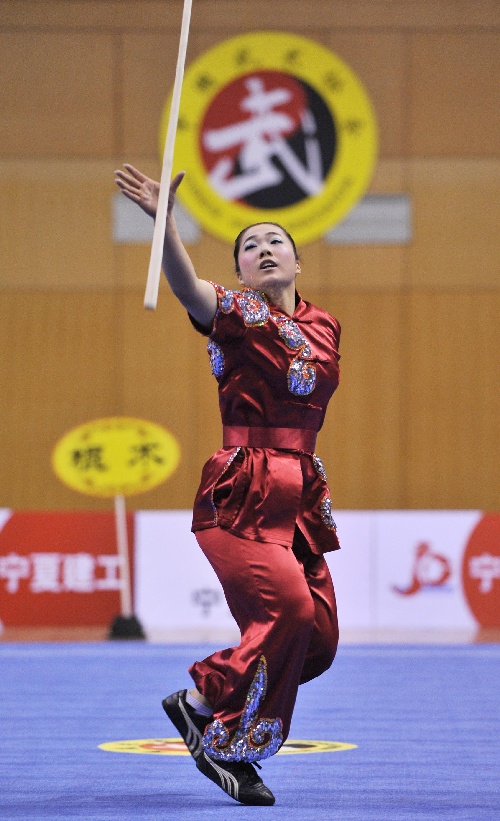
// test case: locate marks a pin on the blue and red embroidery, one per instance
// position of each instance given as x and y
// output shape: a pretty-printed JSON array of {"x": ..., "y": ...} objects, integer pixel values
[
  {"x": 256, "y": 738},
  {"x": 301, "y": 377}
]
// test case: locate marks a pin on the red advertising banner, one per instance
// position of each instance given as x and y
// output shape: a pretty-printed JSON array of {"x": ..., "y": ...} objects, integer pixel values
[
  {"x": 60, "y": 568},
  {"x": 481, "y": 571}
]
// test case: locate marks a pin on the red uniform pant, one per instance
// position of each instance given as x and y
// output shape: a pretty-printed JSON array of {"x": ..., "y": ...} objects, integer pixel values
[{"x": 283, "y": 602}]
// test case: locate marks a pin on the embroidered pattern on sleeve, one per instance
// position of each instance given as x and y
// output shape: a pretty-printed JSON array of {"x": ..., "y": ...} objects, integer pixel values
[{"x": 253, "y": 305}]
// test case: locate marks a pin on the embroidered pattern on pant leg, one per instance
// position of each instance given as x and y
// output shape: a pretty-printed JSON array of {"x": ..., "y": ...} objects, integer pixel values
[
  {"x": 326, "y": 502},
  {"x": 256, "y": 738},
  {"x": 320, "y": 468},
  {"x": 226, "y": 466},
  {"x": 326, "y": 513}
]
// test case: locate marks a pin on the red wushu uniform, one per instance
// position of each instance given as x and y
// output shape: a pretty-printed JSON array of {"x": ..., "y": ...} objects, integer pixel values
[{"x": 263, "y": 517}]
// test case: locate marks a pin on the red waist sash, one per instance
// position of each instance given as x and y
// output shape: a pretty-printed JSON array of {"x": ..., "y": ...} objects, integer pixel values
[{"x": 279, "y": 438}]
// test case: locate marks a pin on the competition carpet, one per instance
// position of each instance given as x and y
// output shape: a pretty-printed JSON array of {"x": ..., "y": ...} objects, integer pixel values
[{"x": 425, "y": 720}]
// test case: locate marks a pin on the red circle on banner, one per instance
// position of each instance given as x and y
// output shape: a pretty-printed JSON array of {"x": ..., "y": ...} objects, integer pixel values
[{"x": 481, "y": 571}]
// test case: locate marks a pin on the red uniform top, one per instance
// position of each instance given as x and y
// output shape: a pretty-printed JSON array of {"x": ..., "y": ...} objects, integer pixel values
[{"x": 276, "y": 375}]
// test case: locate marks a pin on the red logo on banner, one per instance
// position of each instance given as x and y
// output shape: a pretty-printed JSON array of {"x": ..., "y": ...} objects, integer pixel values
[
  {"x": 481, "y": 571},
  {"x": 60, "y": 569},
  {"x": 429, "y": 570}
]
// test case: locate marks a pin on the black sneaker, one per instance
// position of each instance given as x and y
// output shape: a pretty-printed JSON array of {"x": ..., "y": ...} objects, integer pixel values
[
  {"x": 237, "y": 779},
  {"x": 190, "y": 724}
]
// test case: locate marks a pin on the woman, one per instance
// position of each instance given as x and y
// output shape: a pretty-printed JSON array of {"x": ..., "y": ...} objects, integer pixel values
[{"x": 262, "y": 514}]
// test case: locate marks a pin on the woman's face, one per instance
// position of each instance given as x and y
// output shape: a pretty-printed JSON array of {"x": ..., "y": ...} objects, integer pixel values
[{"x": 266, "y": 258}]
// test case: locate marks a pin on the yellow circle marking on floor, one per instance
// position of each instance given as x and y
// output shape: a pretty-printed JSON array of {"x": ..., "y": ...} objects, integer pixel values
[{"x": 175, "y": 746}]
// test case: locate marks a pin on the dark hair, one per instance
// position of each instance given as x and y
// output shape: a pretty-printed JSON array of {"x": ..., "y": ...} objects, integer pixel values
[{"x": 237, "y": 241}]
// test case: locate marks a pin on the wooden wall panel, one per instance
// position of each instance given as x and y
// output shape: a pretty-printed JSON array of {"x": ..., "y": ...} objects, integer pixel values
[
  {"x": 55, "y": 230},
  {"x": 60, "y": 353},
  {"x": 212, "y": 258},
  {"x": 361, "y": 438},
  {"x": 160, "y": 383},
  {"x": 415, "y": 421},
  {"x": 455, "y": 102},
  {"x": 363, "y": 267},
  {"x": 63, "y": 100},
  {"x": 456, "y": 218},
  {"x": 167, "y": 379},
  {"x": 132, "y": 262},
  {"x": 390, "y": 177},
  {"x": 380, "y": 61},
  {"x": 360, "y": 267},
  {"x": 134, "y": 14},
  {"x": 325, "y": 267},
  {"x": 413, "y": 424},
  {"x": 149, "y": 62},
  {"x": 452, "y": 401}
]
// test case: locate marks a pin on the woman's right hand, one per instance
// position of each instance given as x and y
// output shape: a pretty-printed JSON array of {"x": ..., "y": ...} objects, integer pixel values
[{"x": 144, "y": 191}]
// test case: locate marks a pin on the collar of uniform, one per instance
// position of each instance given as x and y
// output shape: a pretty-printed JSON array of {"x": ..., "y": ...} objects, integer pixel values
[{"x": 299, "y": 304}]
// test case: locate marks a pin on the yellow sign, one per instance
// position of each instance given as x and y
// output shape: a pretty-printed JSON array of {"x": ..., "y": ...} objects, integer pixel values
[
  {"x": 273, "y": 127},
  {"x": 176, "y": 746},
  {"x": 116, "y": 456}
]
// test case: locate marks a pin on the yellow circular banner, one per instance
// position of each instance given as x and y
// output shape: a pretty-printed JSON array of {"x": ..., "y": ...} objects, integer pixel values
[
  {"x": 176, "y": 746},
  {"x": 115, "y": 456},
  {"x": 273, "y": 127}
]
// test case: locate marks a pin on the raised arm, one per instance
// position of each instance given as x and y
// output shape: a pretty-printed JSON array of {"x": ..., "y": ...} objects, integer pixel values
[{"x": 197, "y": 295}]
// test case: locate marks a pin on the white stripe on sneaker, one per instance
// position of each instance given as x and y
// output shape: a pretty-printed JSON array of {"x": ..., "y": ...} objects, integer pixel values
[
  {"x": 194, "y": 737},
  {"x": 227, "y": 780}
]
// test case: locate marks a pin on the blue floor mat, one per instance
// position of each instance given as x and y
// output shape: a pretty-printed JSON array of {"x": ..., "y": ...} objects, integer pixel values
[{"x": 425, "y": 720}]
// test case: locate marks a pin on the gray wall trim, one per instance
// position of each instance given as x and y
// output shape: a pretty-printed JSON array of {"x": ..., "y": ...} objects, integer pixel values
[{"x": 379, "y": 219}]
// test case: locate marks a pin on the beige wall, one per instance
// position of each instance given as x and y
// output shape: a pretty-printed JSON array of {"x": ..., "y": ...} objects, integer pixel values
[{"x": 415, "y": 423}]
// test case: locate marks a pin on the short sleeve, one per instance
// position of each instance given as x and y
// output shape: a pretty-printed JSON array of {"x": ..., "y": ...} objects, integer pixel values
[
  {"x": 196, "y": 325},
  {"x": 229, "y": 320}
]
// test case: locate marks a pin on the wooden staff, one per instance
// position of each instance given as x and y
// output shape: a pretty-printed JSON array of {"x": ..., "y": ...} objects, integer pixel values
[{"x": 154, "y": 272}]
